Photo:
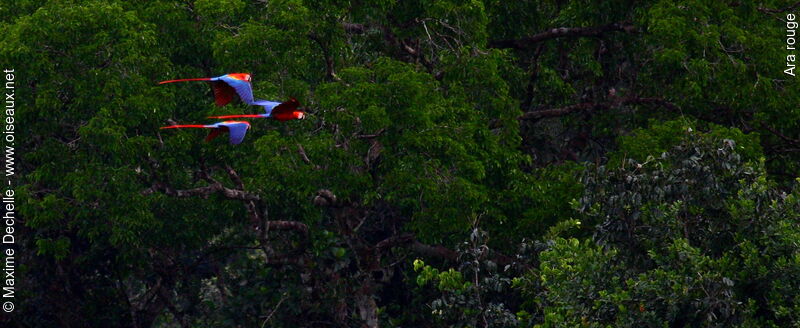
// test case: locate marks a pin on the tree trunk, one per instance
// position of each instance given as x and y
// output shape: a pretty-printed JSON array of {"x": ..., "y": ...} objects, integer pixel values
[{"x": 367, "y": 308}]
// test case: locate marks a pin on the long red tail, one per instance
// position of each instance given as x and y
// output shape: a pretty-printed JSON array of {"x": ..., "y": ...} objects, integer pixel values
[
  {"x": 183, "y": 126},
  {"x": 235, "y": 116},
  {"x": 182, "y": 80}
]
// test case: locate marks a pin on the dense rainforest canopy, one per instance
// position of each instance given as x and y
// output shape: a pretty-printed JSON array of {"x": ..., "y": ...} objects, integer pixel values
[{"x": 464, "y": 163}]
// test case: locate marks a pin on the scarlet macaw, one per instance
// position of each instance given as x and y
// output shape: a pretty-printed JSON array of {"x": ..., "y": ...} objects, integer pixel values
[
  {"x": 226, "y": 87},
  {"x": 237, "y": 129},
  {"x": 284, "y": 111}
]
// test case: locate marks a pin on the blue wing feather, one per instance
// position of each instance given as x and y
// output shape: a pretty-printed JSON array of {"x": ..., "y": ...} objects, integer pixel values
[
  {"x": 267, "y": 104},
  {"x": 237, "y": 130},
  {"x": 243, "y": 88}
]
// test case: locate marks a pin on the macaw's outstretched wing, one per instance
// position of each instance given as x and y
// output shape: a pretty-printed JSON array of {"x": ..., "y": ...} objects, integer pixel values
[
  {"x": 286, "y": 107},
  {"x": 226, "y": 87},
  {"x": 215, "y": 132},
  {"x": 240, "y": 82},
  {"x": 223, "y": 93},
  {"x": 267, "y": 104},
  {"x": 237, "y": 130}
]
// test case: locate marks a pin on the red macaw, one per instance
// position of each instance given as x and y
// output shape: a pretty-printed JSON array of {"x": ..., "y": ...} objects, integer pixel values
[
  {"x": 226, "y": 87},
  {"x": 237, "y": 129},
  {"x": 284, "y": 111}
]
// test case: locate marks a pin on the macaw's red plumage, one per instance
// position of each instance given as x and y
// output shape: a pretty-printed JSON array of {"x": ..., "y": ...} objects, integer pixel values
[
  {"x": 227, "y": 87},
  {"x": 237, "y": 129},
  {"x": 284, "y": 111}
]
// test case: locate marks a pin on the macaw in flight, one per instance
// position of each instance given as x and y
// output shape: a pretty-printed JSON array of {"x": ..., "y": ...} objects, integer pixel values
[
  {"x": 284, "y": 111},
  {"x": 237, "y": 129},
  {"x": 226, "y": 87}
]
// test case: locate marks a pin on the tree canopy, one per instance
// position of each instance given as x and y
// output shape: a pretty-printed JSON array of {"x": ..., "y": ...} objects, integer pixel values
[{"x": 464, "y": 163}]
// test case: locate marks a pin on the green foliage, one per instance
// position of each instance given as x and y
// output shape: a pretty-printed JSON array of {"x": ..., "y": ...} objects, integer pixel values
[
  {"x": 475, "y": 294},
  {"x": 662, "y": 136},
  {"x": 685, "y": 239},
  {"x": 655, "y": 186},
  {"x": 449, "y": 280},
  {"x": 434, "y": 151}
]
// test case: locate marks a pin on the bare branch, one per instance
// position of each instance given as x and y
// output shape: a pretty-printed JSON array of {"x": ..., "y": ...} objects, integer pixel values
[
  {"x": 407, "y": 46},
  {"x": 285, "y": 259},
  {"x": 650, "y": 101},
  {"x": 369, "y": 136},
  {"x": 288, "y": 225},
  {"x": 556, "y": 112},
  {"x": 781, "y": 10},
  {"x": 329, "y": 67},
  {"x": 234, "y": 176},
  {"x": 326, "y": 198},
  {"x": 587, "y": 106},
  {"x": 203, "y": 192},
  {"x": 437, "y": 251},
  {"x": 408, "y": 240},
  {"x": 354, "y": 28},
  {"x": 561, "y": 32},
  {"x": 394, "y": 241},
  {"x": 780, "y": 135},
  {"x": 304, "y": 156},
  {"x": 283, "y": 298},
  {"x": 217, "y": 187}
]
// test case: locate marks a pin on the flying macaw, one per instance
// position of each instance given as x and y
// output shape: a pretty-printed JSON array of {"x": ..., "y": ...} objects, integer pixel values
[
  {"x": 226, "y": 87},
  {"x": 237, "y": 129},
  {"x": 284, "y": 111}
]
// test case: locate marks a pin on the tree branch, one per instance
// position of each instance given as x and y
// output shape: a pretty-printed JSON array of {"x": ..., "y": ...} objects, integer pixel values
[
  {"x": 556, "y": 112},
  {"x": 586, "y": 106},
  {"x": 304, "y": 157},
  {"x": 285, "y": 259},
  {"x": 329, "y": 65},
  {"x": 354, "y": 28},
  {"x": 780, "y": 135},
  {"x": 393, "y": 41},
  {"x": 650, "y": 101},
  {"x": 234, "y": 176},
  {"x": 287, "y": 225},
  {"x": 369, "y": 136},
  {"x": 561, "y": 32},
  {"x": 326, "y": 198},
  {"x": 214, "y": 186},
  {"x": 437, "y": 251},
  {"x": 394, "y": 241},
  {"x": 781, "y": 10},
  {"x": 211, "y": 189}
]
